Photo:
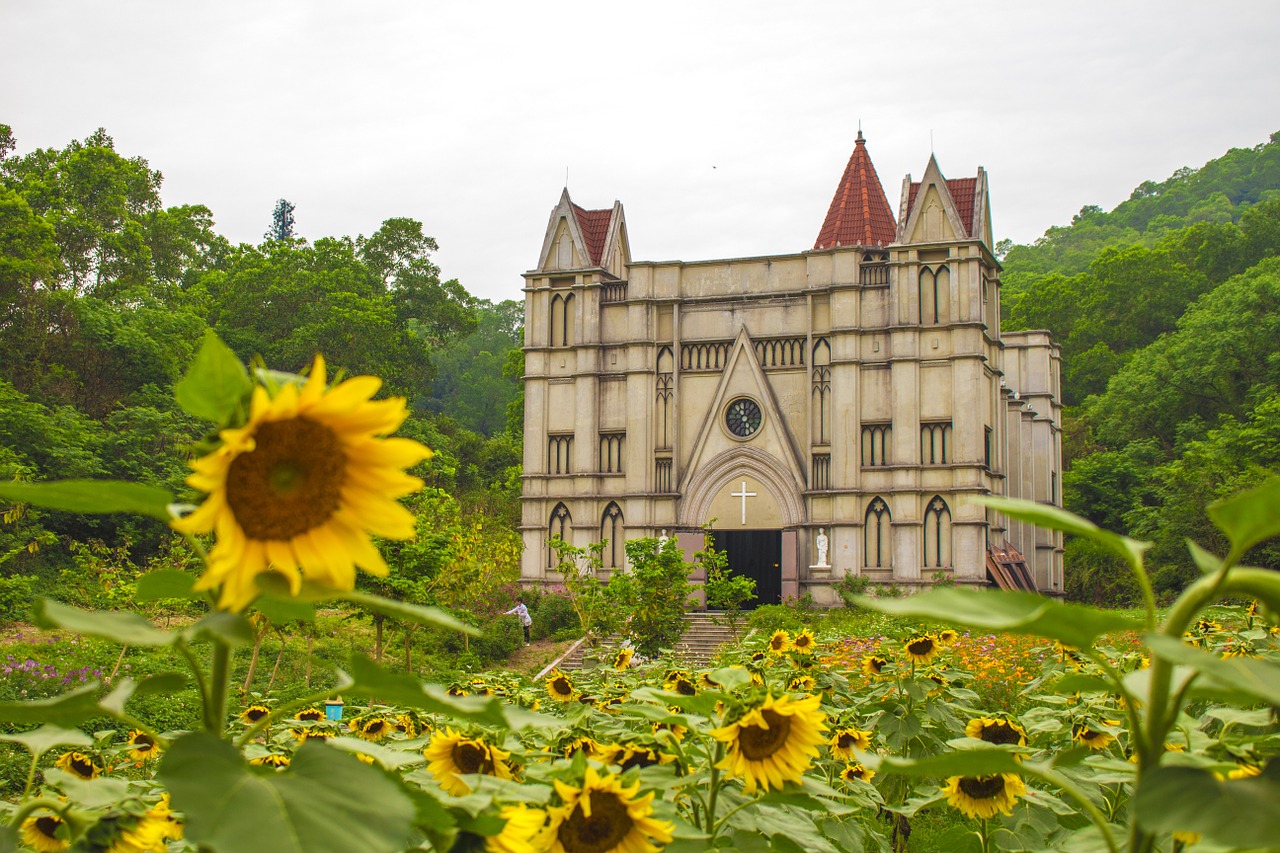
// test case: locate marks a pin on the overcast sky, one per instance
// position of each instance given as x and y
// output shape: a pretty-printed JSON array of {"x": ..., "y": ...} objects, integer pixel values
[{"x": 722, "y": 127}]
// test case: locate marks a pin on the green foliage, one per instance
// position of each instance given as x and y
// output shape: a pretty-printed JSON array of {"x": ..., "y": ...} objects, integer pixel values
[
  {"x": 652, "y": 595},
  {"x": 724, "y": 590},
  {"x": 768, "y": 618},
  {"x": 16, "y": 592}
]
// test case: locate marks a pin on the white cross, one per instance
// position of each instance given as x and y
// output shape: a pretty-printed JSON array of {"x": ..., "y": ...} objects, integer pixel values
[{"x": 744, "y": 494}]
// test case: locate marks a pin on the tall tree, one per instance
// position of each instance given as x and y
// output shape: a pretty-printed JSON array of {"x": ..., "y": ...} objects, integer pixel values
[{"x": 281, "y": 221}]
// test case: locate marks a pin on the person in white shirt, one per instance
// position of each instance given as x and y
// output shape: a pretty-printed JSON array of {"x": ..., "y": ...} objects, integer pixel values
[{"x": 525, "y": 619}]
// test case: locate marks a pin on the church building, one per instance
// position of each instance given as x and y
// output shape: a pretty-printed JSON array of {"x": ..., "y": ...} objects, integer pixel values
[{"x": 827, "y": 413}]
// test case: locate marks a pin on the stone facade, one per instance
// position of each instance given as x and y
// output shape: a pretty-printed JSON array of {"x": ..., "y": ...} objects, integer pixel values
[{"x": 861, "y": 388}]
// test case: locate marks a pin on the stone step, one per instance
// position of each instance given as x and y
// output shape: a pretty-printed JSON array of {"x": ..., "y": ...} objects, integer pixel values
[{"x": 702, "y": 638}]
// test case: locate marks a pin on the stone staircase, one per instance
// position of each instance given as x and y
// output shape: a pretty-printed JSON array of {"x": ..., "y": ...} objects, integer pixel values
[{"x": 702, "y": 637}]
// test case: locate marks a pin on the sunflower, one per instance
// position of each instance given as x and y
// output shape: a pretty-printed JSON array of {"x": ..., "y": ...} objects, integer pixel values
[
  {"x": 273, "y": 759},
  {"x": 682, "y": 685},
  {"x": 1208, "y": 626},
  {"x": 589, "y": 747},
  {"x": 374, "y": 729},
  {"x": 407, "y": 725},
  {"x": 603, "y": 816},
  {"x": 983, "y": 796},
  {"x": 560, "y": 687},
  {"x": 142, "y": 746},
  {"x": 310, "y": 715},
  {"x": 922, "y": 648},
  {"x": 996, "y": 731},
  {"x": 804, "y": 643},
  {"x": 302, "y": 485},
  {"x": 873, "y": 666},
  {"x": 855, "y": 770},
  {"x": 622, "y": 660},
  {"x": 451, "y": 754},
  {"x": 1092, "y": 738},
  {"x": 780, "y": 642},
  {"x": 40, "y": 833},
  {"x": 522, "y": 825},
  {"x": 759, "y": 657},
  {"x": 79, "y": 765},
  {"x": 254, "y": 713},
  {"x": 634, "y": 755},
  {"x": 315, "y": 733},
  {"x": 773, "y": 743},
  {"x": 801, "y": 684},
  {"x": 846, "y": 740},
  {"x": 947, "y": 637}
]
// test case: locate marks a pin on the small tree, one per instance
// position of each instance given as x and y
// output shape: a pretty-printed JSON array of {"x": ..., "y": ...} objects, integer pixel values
[
  {"x": 654, "y": 594},
  {"x": 580, "y": 568},
  {"x": 725, "y": 590}
]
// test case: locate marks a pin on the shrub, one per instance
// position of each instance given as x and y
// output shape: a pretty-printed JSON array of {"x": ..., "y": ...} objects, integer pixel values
[
  {"x": 768, "y": 618},
  {"x": 850, "y": 587},
  {"x": 15, "y": 598},
  {"x": 552, "y": 613}
]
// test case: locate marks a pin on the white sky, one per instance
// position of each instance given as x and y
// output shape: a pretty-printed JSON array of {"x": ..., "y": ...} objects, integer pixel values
[{"x": 723, "y": 127}]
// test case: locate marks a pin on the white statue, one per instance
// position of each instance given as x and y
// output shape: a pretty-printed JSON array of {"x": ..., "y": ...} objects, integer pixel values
[
  {"x": 821, "y": 542},
  {"x": 662, "y": 540}
]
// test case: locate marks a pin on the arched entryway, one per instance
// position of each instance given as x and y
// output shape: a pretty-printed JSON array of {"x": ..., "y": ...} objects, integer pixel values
[{"x": 754, "y": 506}]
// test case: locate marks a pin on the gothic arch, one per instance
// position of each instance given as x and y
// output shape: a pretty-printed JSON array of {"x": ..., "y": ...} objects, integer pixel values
[
  {"x": 611, "y": 533},
  {"x": 877, "y": 535},
  {"x": 937, "y": 534},
  {"x": 559, "y": 525},
  {"x": 724, "y": 468}
]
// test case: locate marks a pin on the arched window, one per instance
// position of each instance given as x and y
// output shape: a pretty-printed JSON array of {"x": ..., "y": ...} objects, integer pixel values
[
  {"x": 564, "y": 252},
  {"x": 928, "y": 297},
  {"x": 935, "y": 443},
  {"x": 937, "y": 534},
  {"x": 611, "y": 535},
  {"x": 662, "y": 408},
  {"x": 878, "y": 547},
  {"x": 559, "y": 526},
  {"x": 877, "y": 440},
  {"x": 561, "y": 320},
  {"x": 821, "y": 391}
]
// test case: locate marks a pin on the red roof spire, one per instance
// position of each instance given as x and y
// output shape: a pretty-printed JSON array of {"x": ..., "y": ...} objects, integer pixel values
[{"x": 859, "y": 214}]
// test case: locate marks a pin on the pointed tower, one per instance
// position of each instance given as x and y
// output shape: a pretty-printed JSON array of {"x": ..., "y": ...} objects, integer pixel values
[
  {"x": 581, "y": 239},
  {"x": 859, "y": 214}
]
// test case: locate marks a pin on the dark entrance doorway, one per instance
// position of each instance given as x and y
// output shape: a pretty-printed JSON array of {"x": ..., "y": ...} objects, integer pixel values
[{"x": 756, "y": 554}]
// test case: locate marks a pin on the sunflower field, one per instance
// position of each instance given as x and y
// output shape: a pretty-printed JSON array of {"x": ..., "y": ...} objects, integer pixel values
[{"x": 982, "y": 721}]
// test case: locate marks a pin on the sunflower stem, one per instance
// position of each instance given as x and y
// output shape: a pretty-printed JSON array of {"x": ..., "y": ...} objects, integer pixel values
[
  {"x": 194, "y": 663},
  {"x": 24, "y": 811},
  {"x": 712, "y": 826},
  {"x": 215, "y": 706},
  {"x": 1069, "y": 788},
  {"x": 31, "y": 775}
]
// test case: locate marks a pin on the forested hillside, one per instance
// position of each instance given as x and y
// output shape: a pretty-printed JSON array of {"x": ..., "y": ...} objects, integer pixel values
[
  {"x": 105, "y": 294},
  {"x": 1168, "y": 312}
]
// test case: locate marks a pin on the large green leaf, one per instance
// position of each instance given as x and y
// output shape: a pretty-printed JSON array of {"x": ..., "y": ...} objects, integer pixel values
[
  {"x": 216, "y": 383},
  {"x": 414, "y": 613},
  {"x": 978, "y": 761},
  {"x": 92, "y": 496},
  {"x": 1241, "y": 814},
  {"x": 69, "y": 709},
  {"x": 325, "y": 800},
  {"x": 1259, "y": 679},
  {"x": 1010, "y": 612},
  {"x": 41, "y": 740},
  {"x": 125, "y": 627},
  {"x": 165, "y": 583},
  {"x": 281, "y": 611},
  {"x": 230, "y": 628},
  {"x": 1045, "y": 515},
  {"x": 372, "y": 681},
  {"x": 1250, "y": 517}
]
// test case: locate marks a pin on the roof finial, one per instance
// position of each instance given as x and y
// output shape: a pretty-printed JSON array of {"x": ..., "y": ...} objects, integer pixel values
[
  {"x": 860, "y": 140},
  {"x": 931, "y": 142},
  {"x": 566, "y": 178}
]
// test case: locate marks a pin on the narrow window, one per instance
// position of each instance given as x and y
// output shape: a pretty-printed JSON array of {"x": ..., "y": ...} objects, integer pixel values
[
  {"x": 937, "y": 534},
  {"x": 876, "y": 548},
  {"x": 611, "y": 536}
]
